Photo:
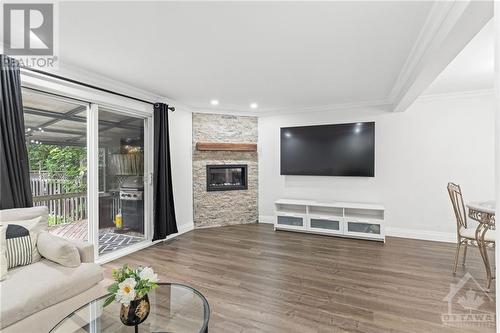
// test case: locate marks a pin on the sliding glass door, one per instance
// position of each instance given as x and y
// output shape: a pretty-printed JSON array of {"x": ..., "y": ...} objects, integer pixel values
[
  {"x": 91, "y": 166},
  {"x": 121, "y": 180},
  {"x": 56, "y": 139}
]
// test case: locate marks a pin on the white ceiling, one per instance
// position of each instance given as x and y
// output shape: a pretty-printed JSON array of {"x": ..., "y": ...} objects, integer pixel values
[
  {"x": 279, "y": 54},
  {"x": 473, "y": 69}
]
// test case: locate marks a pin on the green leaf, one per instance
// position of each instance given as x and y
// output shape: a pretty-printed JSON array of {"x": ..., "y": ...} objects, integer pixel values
[
  {"x": 113, "y": 288},
  {"x": 108, "y": 300}
]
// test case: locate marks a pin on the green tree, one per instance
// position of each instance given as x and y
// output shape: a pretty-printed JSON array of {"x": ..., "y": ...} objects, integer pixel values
[{"x": 55, "y": 159}]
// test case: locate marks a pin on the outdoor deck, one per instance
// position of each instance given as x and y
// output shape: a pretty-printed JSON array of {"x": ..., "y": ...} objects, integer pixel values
[
  {"x": 109, "y": 240},
  {"x": 75, "y": 230}
]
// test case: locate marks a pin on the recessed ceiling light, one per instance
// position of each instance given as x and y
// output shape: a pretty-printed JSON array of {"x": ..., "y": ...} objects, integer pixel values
[
  {"x": 214, "y": 102},
  {"x": 254, "y": 106}
]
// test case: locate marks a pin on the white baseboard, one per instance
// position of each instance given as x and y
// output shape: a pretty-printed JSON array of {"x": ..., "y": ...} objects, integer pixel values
[
  {"x": 182, "y": 230},
  {"x": 266, "y": 219},
  {"x": 435, "y": 236},
  {"x": 448, "y": 237}
]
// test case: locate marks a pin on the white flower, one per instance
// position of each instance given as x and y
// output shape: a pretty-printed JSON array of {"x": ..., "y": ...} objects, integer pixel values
[
  {"x": 126, "y": 291},
  {"x": 147, "y": 274}
]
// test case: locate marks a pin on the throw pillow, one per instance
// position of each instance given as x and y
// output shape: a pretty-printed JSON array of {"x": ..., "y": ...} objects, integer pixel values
[
  {"x": 3, "y": 253},
  {"x": 58, "y": 250},
  {"x": 19, "y": 246},
  {"x": 34, "y": 226}
]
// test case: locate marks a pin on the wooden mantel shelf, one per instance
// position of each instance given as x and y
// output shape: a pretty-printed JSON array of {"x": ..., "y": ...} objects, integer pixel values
[{"x": 226, "y": 146}]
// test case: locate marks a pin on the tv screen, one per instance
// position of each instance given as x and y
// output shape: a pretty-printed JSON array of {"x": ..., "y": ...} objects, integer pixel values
[{"x": 329, "y": 150}]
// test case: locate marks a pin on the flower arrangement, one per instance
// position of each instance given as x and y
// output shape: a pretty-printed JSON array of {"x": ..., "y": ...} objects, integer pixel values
[{"x": 131, "y": 284}]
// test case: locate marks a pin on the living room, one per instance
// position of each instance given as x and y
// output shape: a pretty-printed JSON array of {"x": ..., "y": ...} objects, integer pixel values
[{"x": 249, "y": 166}]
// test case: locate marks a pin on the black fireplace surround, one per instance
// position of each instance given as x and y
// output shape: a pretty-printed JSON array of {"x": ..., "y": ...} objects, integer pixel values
[{"x": 227, "y": 177}]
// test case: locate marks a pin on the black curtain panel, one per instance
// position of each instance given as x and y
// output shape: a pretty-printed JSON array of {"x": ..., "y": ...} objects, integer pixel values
[
  {"x": 15, "y": 191},
  {"x": 164, "y": 212}
]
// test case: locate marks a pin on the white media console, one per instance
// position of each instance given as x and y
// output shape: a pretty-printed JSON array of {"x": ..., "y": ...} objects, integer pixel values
[{"x": 356, "y": 220}]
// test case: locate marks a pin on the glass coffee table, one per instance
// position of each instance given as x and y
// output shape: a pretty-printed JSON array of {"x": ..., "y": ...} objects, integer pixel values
[{"x": 175, "y": 308}]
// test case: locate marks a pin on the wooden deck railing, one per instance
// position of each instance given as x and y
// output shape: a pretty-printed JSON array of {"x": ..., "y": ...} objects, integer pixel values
[{"x": 64, "y": 207}]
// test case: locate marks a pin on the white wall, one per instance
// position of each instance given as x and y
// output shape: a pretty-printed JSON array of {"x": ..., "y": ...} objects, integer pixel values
[
  {"x": 417, "y": 153},
  {"x": 180, "y": 125}
]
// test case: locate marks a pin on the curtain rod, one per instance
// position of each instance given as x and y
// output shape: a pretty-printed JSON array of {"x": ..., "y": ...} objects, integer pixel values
[{"x": 171, "y": 108}]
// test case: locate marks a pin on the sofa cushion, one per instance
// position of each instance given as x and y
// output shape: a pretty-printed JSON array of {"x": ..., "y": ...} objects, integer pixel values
[
  {"x": 34, "y": 227},
  {"x": 85, "y": 249},
  {"x": 19, "y": 214},
  {"x": 29, "y": 289},
  {"x": 19, "y": 245},
  {"x": 58, "y": 250}
]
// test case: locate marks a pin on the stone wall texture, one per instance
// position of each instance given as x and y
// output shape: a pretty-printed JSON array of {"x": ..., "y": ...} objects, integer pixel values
[{"x": 221, "y": 208}]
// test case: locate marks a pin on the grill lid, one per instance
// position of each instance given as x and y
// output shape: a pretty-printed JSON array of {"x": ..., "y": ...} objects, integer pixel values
[{"x": 133, "y": 183}]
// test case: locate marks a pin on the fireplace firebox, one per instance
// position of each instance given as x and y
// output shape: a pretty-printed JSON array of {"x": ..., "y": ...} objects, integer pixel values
[{"x": 227, "y": 177}]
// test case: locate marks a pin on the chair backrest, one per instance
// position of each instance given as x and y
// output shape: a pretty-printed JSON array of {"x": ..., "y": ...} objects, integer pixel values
[{"x": 457, "y": 201}]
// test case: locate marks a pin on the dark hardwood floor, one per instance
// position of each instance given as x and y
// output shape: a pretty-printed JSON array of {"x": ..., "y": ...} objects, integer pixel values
[{"x": 259, "y": 280}]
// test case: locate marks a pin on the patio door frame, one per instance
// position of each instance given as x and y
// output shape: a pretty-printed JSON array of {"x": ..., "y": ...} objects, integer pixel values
[
  {"x": 93, "y": 179},
  {"x": 65, "y": 90}
]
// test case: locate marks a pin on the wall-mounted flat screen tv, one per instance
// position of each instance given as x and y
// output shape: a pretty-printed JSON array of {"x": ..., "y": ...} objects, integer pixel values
[{"x": 329, "y": 150}]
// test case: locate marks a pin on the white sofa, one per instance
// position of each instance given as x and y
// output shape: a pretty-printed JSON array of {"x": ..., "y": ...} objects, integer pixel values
[{"x": 36, "y": 297}]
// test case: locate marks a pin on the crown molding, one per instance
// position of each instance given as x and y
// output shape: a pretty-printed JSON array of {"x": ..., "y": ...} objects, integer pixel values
[
  {"x": 89, "y": 77},
  {"x": 432, "y": 24},
  {"x": 239, "y": 111},
  {"x": 93, "y": 78},
  {"x": 381, "y": 104},
  {"x": 449, "y": 27},
  {"x": 456, "y": 95},
  {"x": 236, "y": 111}
]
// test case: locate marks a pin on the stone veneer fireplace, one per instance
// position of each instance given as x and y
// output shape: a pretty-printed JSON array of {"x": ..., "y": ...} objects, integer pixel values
[{"x": 228, "y": 201}]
